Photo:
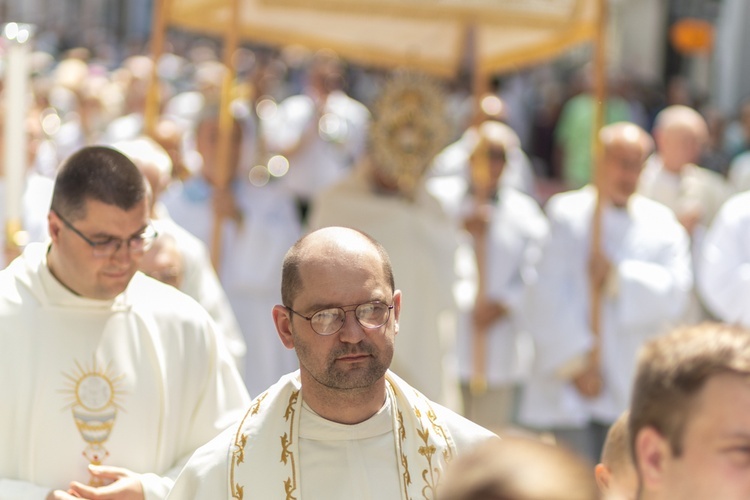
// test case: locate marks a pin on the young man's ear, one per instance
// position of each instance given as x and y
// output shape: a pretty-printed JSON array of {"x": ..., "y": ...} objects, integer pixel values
[
  {"x": 603, "y": 477},
  {"x": 282, "y": 318},
  {"x": 652, "y": 453}
]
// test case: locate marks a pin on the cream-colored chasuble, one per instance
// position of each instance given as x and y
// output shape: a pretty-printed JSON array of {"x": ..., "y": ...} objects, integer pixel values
[
  {"x": 419, "y": 439},
  {"x": 138, "y": 382}
]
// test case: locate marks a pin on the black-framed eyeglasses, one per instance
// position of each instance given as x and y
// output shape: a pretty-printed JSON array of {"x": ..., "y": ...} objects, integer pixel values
[
  {"x": 330, "y": 320},
  {"x": 107, "y": 248}
]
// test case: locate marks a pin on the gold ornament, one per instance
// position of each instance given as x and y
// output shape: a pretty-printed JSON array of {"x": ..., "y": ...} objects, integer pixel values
[{"x": 409, "y": 128}]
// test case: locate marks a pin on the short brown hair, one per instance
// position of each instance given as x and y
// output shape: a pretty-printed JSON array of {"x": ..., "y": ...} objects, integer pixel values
[
  {"x": 673, "y": 368},
  {"x": 97, "y": 173},
  {"x": 518, "y": 468}
]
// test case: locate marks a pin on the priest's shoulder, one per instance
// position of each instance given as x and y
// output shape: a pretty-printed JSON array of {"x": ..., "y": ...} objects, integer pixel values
[
  {"x": 160, "y": 299},
  {"x": 465, "y": 433}
]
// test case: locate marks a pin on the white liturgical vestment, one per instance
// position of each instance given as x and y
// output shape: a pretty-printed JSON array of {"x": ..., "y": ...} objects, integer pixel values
[
  {"x": 139, "y": 381},
  {"x": 516, "y": 227},
  {"x": 647, "y": 292},
  {"x": 724, "y": 271},
  {"x": 282, "y": 449}
]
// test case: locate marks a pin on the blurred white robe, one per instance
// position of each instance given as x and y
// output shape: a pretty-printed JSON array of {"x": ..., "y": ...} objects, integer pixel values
[
  {"x": 516, "y": 227},
  {"x": 201, "y": 283},
  {"x": 724, "y": 272},
  {"x": 139, "y": 381},
  {"x": 650, "y": 255},
  {"x": 250, "y": 267}
]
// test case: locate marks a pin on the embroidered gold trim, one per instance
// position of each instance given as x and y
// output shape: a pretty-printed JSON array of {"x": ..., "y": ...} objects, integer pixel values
[
  {"x": 290, "y": 485},
  {"x": 238, "y": 453}
]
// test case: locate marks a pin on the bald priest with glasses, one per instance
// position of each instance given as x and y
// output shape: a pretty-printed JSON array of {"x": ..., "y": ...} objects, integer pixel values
[
  {"x": 109, "y": 380},
  {"x": 344, "y": 426}
]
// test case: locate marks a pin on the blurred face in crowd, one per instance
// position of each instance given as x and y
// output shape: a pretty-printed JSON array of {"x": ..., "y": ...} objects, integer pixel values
[
  {"x": 679, "y": 146},
  {"x": 163, "y": 262},
  {"x": 622, "y": 165}
]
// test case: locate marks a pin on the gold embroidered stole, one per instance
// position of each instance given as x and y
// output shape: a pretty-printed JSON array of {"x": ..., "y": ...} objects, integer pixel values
[{"x": 264, "y": 457}]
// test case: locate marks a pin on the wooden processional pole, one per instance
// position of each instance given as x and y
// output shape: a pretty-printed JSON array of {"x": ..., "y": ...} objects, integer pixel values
[
  {"x": 480, "y": 174},
  {"x": 153, "y": 94},
  {"x": 600, "y": 93},
  {"x": 226, "y": 128}
]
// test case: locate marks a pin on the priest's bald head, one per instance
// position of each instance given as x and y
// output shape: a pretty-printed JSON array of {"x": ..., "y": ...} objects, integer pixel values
[
  {"x": 98, "y": 222},
  {"x": 343, "y": 357}
]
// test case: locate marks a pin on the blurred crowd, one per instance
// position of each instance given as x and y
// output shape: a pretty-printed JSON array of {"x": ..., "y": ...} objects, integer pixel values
[{"x": 502, "y": 249}]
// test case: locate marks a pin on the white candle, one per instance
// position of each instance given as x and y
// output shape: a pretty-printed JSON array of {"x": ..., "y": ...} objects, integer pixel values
[{"x": 17, "y": 41}]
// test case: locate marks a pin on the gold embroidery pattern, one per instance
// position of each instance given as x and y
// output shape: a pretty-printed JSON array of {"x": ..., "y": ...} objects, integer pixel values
[
  {"x": 404, "y": 461},
  {"x": 238, "y": 453},
  {"x": 287, "y": 457},
  {"x": 440, "y": 430},
  {"x": 430, "y": 475},
  {"x": 95, "y": 392}
]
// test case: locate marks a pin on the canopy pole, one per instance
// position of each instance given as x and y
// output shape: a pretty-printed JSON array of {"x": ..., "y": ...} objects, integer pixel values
[
  {"x": 153, "y": 95},
  {"x": 600, "y": 93},
  {"x": 226, "y": 129},
  {"x": 480, "y": 172}
]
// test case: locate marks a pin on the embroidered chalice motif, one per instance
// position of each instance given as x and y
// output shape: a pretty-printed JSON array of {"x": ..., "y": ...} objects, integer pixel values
[{"x": 94, "y": 407}]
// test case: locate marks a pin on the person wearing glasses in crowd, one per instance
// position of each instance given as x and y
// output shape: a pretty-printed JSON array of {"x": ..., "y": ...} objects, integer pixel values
[
  {"x": 109, "y": 379},
  {"x": 344, "y": 425}
]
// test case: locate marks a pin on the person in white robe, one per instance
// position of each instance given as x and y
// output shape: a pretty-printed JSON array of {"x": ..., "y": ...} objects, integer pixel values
[
  {"x": 723, "y": 276},
  {"x": 109, "y": 379},
  {"x": 454, "y": 160},
  {"x": 321, "y": 132},
  {"x": 671, "y": 177},
  {"x": 258, "y": 224},
  {"x": 344, "y": 425},
  {"x": 738, "y": 175},
  {"x": 199, "y": 279},
  {"x": 641, "y": 272},
  {"x": 502, "y": 226}
]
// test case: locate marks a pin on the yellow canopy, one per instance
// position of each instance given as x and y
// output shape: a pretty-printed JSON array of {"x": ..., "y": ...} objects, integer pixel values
[{"x": 428, "y": 35}]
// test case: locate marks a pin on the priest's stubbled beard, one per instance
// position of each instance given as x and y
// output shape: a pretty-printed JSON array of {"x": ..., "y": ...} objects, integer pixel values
[{"x": 339, "y": 375}]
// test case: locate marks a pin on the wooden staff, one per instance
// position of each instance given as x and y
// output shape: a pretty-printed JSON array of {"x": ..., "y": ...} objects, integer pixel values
[
  {"x": 600, "y": 87},
  {"x": 480, "y": 174},
  {"x": 153, "y": 95},
  {"x": 480, "y": 179},
  {"x": 226, "y": 129}
]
